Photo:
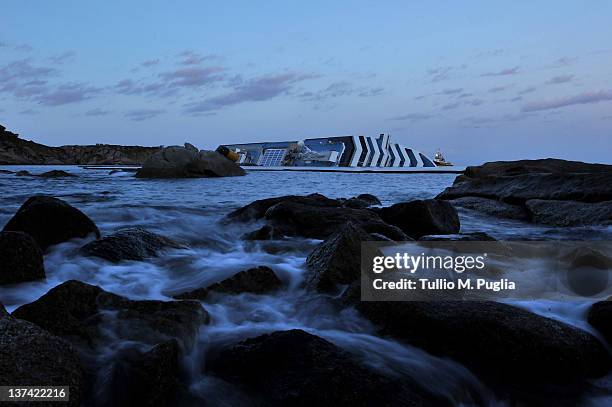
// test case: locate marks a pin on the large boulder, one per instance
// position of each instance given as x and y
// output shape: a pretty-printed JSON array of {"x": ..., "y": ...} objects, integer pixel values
[
  {"x": 257, "y": 280},
  {"x": 600, "y": 316},
  {"x": 422, "y": 217},
  {"x": 20, "y": 258},
  {"x": 188, "y": 162},
  {"x": 492, "y": 207},
  {"x": 507, "y": 346},
  {"x": 77, "y": 311},
  {"x": 299, "y": 369},
  {"x": 541, "y": 166},
  {"x": 31, "y": 356},
  {"x": 569, "y": 213},
  {"x": 135, "y": 244},
  {"x": 51, "y": 221},
  {"x": 257, "y": 209}
]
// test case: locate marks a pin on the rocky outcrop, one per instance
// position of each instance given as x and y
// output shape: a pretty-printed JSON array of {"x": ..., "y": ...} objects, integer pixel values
[
  {"x": 188, "y": 162},
  {"x": 600, "y": 316},
  {"x": 422, "y": 217},
  {"x": 31, "y": 356},
  {"x": 14, "y": 150},
  {"x": 299, "y": 369},
  {"x": 257, "y": 280},
  {"x": 76, "y": 311},
  {"x": 20, "y": 258},
  {"x": 554, "y": 192},
  {"x": 134, "y": 244},
  {"x": 505, "y": 345},
  {"x": 56, "y": 174},
  {"x": 51, "y": 221}
]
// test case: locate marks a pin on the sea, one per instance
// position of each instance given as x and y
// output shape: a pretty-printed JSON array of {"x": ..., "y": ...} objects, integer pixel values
[{"x": 190, "y": 210}]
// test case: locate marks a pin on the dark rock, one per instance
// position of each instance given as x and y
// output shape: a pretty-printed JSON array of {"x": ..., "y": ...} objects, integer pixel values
[
  {"x": 362, "y": 201},
  {"x": 257, "y": 280},
  {"x": 542, "y": 166},
  {"x": 266, "y": 232},
  {"x": 75, "y": 310},
  {"x": 257, "y": 209},
  {"x": 56, "y": 174},
  {"x": 111, "y": 172},
  {"x": 299, "y": 369},
  {"x": 31, "y": 356},
  {"x": 369, "y": 198},
  {"x": 569, "y": 213},
  {"x": 187, "y": 162},
  {"x": 135, "y": 244},
  {"x": 23, "y": 173},
  {"x": 337, "y": 259},
  {"x": 492, "y": 207},
  {"x": 422, "y": 217},
  {"x": 6, "y": 172},
  {"x": 600, "y": 316},
  {"x": 505, "y": 345},
  {"x": 20, "y": 258},
  {"x": 51, "y": 221},
  {"x": 587, "y": 271},
  {"x": 144, "y": 379},
  {"x": 461, "y": 237}
]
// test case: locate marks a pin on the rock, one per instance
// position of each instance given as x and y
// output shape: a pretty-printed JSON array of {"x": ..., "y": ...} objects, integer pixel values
[
  {"x": 187, "y": 162},
  {"x": 587, "y": 271},
  {"x": 135, "y": 244},
  {"x": 6, "y": 172},
  {"x": 337, "y": 260},
  {"x": 51, "y": 221},
  {"x": 542, "y": 166},
  {"x": 257, "y": 209},
  {"x": 23, "y": 173},
  {"x": 30, "y": 356},
  {"x": 369, "y": 198},
  {"x": 144, "y": 379},
  {"x": 56, "y": 174},
  {"x": 20, "y": 258},
  {"x": 492, "y": 207},
  {"x": 569, "y": 213},
  {"x": 266, "y": 232},
  {"x": 362, "y": 201},
  {"x": 506, "y": 346},
  {"x": 422, "y": 217},
  {"x": 257, "y": 280},
  {"x": 75, "y": 310},
  {"x": 299, "y": 369},
  {"x": 461, "y": 237},
  {"x": 600, "y": 316}
]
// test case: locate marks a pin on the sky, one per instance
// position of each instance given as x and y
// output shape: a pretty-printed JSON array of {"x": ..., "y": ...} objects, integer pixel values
[{"x": 481, "y": 80}]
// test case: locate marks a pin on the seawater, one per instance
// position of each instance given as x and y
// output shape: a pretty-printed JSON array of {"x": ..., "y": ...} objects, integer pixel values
[{"x": 189, "y": 210}]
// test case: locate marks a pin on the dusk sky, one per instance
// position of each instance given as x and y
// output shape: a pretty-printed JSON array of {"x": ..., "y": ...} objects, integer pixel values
[{"x": 481, "y": 80}]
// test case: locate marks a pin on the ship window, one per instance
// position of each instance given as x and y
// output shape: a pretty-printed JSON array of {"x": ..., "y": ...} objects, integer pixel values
[
  {"x": 273, "y": 157},
  {"x": 413, "y": 160}
]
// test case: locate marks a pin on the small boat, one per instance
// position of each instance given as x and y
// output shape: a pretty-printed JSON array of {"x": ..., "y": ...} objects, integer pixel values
[{"x": 440, "y": 161}]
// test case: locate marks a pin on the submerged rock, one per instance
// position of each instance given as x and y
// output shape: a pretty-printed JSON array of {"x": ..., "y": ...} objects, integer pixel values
[
  {"x": 31, "y": 356},
  {"x": 492, "y": 207},
  {"x": 51, "y": 221},
  {"x": 422, "y": 217},
  {"x": 600, "y": 316},
  {"x": 78, "y": 311},
  {"x": 300, "y": 369},
  {"x": 257, "y": 280},
  {"x": 6, "y": 172},
  {"x": 20, "y": 258},
  {"x": 56, "y": 174},
  {"x": 507, "y": 346},
  {"x": 23, "y": 173},
  {"x": 129, "y": 244},
  {"x": 569, "y": 213},
  {"x": 187, "y": 162}
]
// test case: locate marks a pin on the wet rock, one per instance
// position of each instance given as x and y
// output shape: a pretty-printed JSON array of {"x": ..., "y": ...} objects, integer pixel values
[
  {"x": 587, "y": 271},
  {"x": 51, "y": 221},
  {"x": 20, "y": 258},
  {"x": 144, "y": 379},
  {"x": 56, "y": 174},
  {"x": 369, "y": 198},
  {"x": 337, "y": 259},
  {"x": 135, "y": 244},
  {"x": 78, "y": 311},
  {"x": 257, "y": 209},
  {"x": 187, "y": 162},
  {"x": 492, "y": 207},
  {"x": 542, "y": 166},
  {"x": 505, "y": 345},
  {"x": 600, "y": 316},
  {"x": 257, "y": 280},
  {"x": 266, "y": 232},
  {"x": 362, "y": 201},
  {"x": 23, "y": 173},
  {"x": 297, "y": 368},
  {"x": 422, "y": 217},
  {"x": 31, "y": 356},
  {"x": 461, "y": 237},
  {"x": 6, "y": 172},
  {"x": 569, "y": 213}
]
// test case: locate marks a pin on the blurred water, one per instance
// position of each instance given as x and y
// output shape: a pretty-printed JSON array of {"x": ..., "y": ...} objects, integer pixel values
[{"x": 189, "y": 210}]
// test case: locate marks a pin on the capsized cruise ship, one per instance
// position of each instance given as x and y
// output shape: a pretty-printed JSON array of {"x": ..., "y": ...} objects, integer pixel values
[{"x": 341, "y": 151}]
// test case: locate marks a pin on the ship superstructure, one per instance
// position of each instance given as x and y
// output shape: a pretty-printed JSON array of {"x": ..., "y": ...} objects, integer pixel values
[{"x": 340, "y": 151}]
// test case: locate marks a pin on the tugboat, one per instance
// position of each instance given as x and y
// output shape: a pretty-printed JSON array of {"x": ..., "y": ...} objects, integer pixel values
[{"x": 440, "y": 161}]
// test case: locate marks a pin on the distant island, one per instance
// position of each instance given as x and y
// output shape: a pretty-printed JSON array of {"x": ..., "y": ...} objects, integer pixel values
[{"x": 15, "y": 151}]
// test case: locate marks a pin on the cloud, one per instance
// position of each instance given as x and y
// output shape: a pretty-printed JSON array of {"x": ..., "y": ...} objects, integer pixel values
[
  {"x": 451, "y": 106},
  {"x": 527, "y": 90},
  {"x": 68, "y": 93},
  {"x": 149, "y": 62},
  {"x": 253, "y": 90},
  {"x": 193, "y": 76},
  {"x": 61, "y": 58},
  {"x": 97, "y": 112},
  {"x": 565, "y": 61},
  {"x": 504, "y": 72},
  {"x": 143, "y": 114},
  {"x": 449, "y": 92},
  {"x": 580, "y": 99},
  {"x": 443, "y": 73},
  {"x": 490, "y": 53},
  {"x": 190, "y": 57},
  {"x": 340, "y": 89},
  {"x": 412, "y": 117},
  {"x": 29, "y": 112},
  {"x": 556, "y": 80},
  {"x": 497, "y": 89},
  {"x": 23, "y": 48},
  {"x": 23, "y": 80}
]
